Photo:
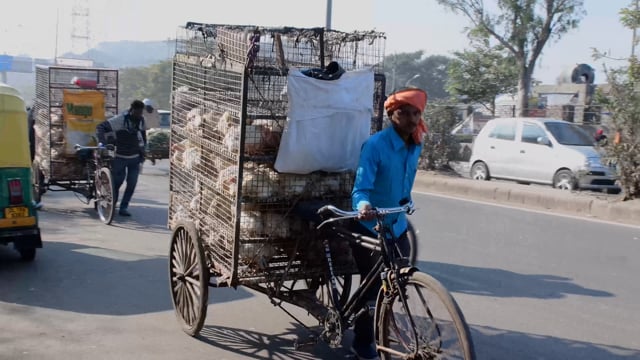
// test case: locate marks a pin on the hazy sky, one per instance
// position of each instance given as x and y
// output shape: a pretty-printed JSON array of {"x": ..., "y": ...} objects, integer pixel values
[{"x": 416, "y": 25}]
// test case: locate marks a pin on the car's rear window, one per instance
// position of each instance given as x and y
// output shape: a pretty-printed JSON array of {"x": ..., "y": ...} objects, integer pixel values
[{"x": 504, "y": 131}]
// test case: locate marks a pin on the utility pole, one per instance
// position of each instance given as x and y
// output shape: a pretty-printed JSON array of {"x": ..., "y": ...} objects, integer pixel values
[{"x": 328, "y": 25}]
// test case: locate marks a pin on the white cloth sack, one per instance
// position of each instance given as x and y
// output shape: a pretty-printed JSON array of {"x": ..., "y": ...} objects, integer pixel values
[{"x": 327, "y": 123}]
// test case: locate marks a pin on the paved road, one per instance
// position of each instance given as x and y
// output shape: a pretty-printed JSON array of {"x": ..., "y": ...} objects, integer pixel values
[
  {"x": 532, "y": 287},
  {"x": 536, "y": 286}
]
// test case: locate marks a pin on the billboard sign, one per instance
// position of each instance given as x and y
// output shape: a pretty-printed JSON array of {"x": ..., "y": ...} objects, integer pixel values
[
  {"x": 5, "y": 62},
  {"x": 16, "y": 64}
]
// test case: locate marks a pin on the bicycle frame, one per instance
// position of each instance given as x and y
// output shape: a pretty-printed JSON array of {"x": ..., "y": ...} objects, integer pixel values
[
  {"x": 388, "y": 261},
  {"x": 93, "y": 164}
]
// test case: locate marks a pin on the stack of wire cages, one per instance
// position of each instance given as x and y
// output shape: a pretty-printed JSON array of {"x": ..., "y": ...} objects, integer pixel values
[
  {"x": 55, "y": 164},
  {"x": 229, "y": 109}
]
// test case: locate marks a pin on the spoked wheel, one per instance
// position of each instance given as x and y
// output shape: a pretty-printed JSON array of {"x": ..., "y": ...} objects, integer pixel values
[
  {"x": 104, "y": 195},
  {"x": 322, "y": 287},
  {"x": 413, "y": 243},
  {"x": 189, "y": 278},
  {"x": 441, "y": 331}
]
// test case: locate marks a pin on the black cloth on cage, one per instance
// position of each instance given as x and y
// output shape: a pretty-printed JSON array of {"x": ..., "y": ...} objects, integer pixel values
[{"x": 333, "y": 71}]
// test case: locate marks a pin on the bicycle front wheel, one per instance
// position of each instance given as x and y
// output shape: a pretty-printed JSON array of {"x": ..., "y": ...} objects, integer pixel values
[
  {"x": 104, "y": 195},
  {"x": 432, "y": 328}
]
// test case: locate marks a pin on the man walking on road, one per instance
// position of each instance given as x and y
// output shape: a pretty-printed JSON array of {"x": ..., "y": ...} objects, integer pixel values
[{"x": 127, "y": 132}]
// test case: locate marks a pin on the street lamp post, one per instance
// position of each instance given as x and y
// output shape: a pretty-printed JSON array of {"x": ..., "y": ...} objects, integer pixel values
[{"x": 410, "y": 80}]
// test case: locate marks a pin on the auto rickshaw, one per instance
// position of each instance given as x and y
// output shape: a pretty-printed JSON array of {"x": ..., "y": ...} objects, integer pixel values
[{"x": 18, "y": 215}]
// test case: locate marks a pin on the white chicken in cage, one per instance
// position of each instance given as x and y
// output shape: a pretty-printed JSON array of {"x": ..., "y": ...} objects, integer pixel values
[
  {"x": 251, "y": 224},
  {"x": 191, "y": 157},
  {"x": 256, "y": 183},
  {"x": 227, "y": 180},
  {"x": 225, "y": 122},
  {"x": 194, "y": 119},
  {"x": 291, "y": 185},
  {"x": 254, "y": 140}
]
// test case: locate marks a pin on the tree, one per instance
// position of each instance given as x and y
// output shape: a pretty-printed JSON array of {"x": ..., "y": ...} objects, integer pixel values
[
  {"x": 440, "y": 146},
  {"x": 429, "y": 73},
  {"x": 153, "y": 82},
  {"x": 623, "y": 101},
  {"x": 523, "y": 27},
  {"x": 480, "y": 75}
]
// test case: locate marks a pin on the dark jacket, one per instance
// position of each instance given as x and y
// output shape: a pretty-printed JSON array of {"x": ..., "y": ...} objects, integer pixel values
[{"x": 130, "y": 140}]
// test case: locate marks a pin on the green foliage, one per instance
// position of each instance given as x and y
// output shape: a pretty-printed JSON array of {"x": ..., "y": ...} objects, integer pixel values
[
  {"x": 158, "y": 141},
  {"x": 480, "y": 75},
  {"x": 432, "y": 70},
  {"x": 440, "y": 145},
  {"x": 522, "y": 27},
  {"x": 153, "y": 82},
  {"x": 623, "y": 101}
]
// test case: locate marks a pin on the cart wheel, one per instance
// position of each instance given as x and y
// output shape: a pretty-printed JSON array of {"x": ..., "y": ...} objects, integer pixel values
[
  {"x": 104, "y": 196},
  {"x": 189, "y": 278},
  {"x": 37, "y": 181}
]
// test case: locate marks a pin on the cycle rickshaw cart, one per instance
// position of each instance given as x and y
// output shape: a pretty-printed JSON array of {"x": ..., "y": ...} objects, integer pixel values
[
  {"x": 235, "y": 219},
  {"x": 70, "y": 102}
]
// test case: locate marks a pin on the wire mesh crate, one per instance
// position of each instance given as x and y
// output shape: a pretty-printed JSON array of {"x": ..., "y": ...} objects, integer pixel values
[
  {"x": 229, "y": 109},
  {"x": 51, "y": 83}
]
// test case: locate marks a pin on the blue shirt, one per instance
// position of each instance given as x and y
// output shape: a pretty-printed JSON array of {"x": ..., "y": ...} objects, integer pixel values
[{"x": 385, "y": 175}]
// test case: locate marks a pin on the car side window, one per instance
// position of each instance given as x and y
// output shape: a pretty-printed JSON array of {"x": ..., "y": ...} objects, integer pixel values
[
  {"x": 504, "y": 131},
  {"x": 531, "y": 133}
]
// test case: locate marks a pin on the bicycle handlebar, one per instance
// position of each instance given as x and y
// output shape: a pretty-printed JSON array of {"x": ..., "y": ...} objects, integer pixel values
[
  {"x": 100, "y": 146},
  {"x": 408, "y": 208}
]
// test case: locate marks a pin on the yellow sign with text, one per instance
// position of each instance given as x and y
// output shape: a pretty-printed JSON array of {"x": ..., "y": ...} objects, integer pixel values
[{"x": 82, "y": 111}]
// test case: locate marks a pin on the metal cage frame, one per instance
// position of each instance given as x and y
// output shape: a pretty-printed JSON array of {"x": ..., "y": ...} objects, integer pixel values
[
  {"x": 51, "y": 81},
  {"x": 228, "y": 106}
]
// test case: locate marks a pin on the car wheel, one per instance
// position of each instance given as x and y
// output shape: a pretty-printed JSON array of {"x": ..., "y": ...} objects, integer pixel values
[
  {"x": 614, "y": 191},
  {"x": 564, "y": 180},
  {"x": 479, "y": 171}
]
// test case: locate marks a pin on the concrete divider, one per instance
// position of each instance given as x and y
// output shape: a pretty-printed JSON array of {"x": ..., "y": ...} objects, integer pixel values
[{"x": 531, "y": 197}]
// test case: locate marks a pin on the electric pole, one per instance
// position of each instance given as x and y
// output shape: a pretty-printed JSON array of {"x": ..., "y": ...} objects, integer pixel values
[{"x": 328, "y": 25}]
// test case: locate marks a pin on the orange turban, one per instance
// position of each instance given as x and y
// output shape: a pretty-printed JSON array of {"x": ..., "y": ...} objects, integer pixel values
[{"x": 414, "y": 97}]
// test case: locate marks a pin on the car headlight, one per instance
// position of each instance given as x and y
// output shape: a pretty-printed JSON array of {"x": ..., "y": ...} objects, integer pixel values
[{"x": 592, "y": 162}]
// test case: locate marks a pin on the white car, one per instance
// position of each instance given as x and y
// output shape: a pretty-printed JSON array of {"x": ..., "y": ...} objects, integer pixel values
[{"x": 539, "y": 150}]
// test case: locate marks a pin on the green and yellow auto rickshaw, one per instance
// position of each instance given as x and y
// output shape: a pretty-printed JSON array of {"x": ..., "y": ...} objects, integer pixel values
[{"x": 18, "y": 216}]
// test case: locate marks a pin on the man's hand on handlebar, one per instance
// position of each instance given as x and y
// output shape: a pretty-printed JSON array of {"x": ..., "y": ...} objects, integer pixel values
[{"x": 366, "y": 213}]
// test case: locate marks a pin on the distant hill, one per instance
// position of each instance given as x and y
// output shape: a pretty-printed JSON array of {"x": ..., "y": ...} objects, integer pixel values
[
  {"x": 126, "y": 54},
  {"x": 117, "y": 54}
]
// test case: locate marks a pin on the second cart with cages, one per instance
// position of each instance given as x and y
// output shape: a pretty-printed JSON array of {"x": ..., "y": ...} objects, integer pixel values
[
  {"x": 70, "y": 101},
  {"x": 235, "y": 220}
]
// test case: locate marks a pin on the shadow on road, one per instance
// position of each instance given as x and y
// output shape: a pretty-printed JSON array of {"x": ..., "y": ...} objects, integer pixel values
[
  {"x": 92, "y": 280},
  {"x": 257, "y": 345},
  {"x": 498, "y": 344},
  {"x": 503, "y": 283},
  {"x": 490, "y": 343},
  {"x": 144, "y": 218}
]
